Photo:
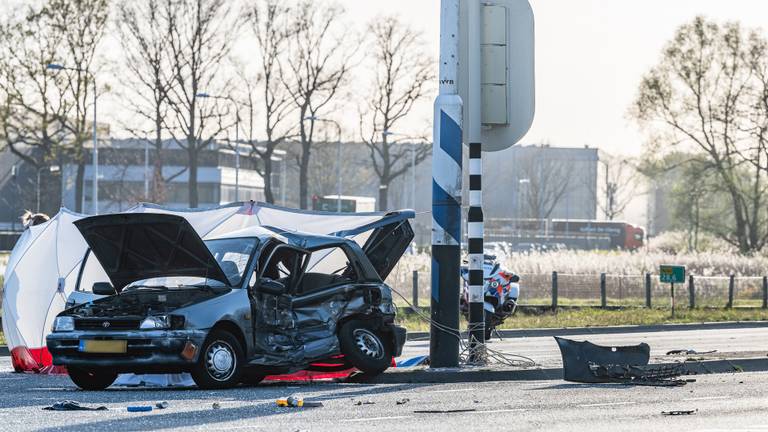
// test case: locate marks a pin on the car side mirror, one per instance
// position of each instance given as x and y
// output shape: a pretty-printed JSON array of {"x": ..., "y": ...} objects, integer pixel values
[
  {"x": 514, "y": 278},
  {"x": 104, "y": 289},
  {"x": 271, "y": 286}
]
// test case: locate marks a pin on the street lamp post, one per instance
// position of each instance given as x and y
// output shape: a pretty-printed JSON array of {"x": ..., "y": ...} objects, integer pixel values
[
  {"x": 386, "y": 133},
  {"x": 237, "y": 138},
  {"x": 338, "y": 156},
  {"x": 53, "y": 169},
  {"x": 95, "y": 153}
]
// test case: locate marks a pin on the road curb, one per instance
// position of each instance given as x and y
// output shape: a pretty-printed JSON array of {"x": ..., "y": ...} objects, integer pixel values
[
  {"x": 427, "y": 376},
  {"x": 575, "y": 331}
]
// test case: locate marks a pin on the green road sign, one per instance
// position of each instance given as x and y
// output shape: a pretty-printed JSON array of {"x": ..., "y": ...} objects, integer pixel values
[{"x": 672, "y": 273}]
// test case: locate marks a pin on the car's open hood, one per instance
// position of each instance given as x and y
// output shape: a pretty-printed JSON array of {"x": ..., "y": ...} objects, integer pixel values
[{"x": 136, "y": 246}]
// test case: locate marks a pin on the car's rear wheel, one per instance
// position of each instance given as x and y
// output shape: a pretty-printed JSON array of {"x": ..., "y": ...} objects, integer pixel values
[
  {"x": 220, "y": 363},
  {"x": 91, "y": 379},
  {"x": 364, "y": 347}
]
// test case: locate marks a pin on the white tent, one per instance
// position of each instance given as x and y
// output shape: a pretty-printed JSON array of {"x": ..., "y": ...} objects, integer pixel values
[{"x": 45, "y": 265}]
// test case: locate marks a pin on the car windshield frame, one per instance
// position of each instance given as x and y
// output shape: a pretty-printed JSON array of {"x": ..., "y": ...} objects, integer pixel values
[{"x": 250, "y": 246}]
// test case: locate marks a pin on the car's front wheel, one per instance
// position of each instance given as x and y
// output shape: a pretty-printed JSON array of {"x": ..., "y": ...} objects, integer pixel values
[
  {"x": 220, "y": 363},
  {"x": 91, "y": 379},
  {"x": 364, "y": 347}
]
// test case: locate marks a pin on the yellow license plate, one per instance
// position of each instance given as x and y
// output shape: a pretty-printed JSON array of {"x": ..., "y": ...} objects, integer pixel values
[{"x": 104, "y": 346}]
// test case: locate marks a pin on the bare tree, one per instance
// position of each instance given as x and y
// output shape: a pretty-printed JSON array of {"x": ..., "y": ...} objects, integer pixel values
[
  {"x": 82, "y": 23},
  {"x": 317, "y": 65},
  {"x": 201, "y": 35},
  {"x": 620, "y": 182},
  {"x": 33, "y": 102},
  {"x": 403, "y": 72},
  {"x": 270, "y": 22},
  {"x": 145, "y": 38},
  {"x": 546, "y": 182},
  {"x": 700, "y": 93}
]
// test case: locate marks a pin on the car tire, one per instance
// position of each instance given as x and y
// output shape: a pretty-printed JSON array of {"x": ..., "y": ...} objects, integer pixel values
[
  {"x": 91, "y": 379},
  {"x": 220, "y": 362},
  {"x": 364, "y": 347}
]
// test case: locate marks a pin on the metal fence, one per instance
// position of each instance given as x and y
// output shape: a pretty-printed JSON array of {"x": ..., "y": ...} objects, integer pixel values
[{"x": 611, "y": 290}]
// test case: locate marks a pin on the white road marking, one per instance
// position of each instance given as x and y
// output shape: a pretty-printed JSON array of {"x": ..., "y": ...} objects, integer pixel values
[
  {"x": 605, "y": 404},
  {"x": 375, "y": 419}
]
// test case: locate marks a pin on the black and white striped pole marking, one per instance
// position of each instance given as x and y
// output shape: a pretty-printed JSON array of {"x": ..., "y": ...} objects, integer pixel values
[
  {"x": 476, "y": 328},
  {"x": 476, "y": 254}
]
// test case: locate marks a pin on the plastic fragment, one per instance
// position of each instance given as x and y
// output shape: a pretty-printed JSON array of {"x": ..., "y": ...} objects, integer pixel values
[
  {"x": 140, "y": 408},
  {"x": 161, "y": 405},
  {"x": 448, "y": 411},
  {"x": 680, "y": 412},
  {"x": 70, "y": 405},
  {"x": 215, "y": 405}
]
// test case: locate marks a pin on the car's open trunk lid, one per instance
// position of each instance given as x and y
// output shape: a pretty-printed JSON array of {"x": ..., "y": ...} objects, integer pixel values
[
  {"x": 387, "y": 244},
  {"x": 136, "y": 246}
]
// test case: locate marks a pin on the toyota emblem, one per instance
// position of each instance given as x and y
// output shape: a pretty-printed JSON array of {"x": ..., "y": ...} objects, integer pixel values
[{"x": 105, "y": 324}]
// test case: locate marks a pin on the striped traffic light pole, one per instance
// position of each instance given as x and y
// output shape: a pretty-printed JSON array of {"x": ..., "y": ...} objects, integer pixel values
[
  {"x": 476, "y": 254},
  {"x": 476, "y": 298},
  {"x": 446, "y": 196}
]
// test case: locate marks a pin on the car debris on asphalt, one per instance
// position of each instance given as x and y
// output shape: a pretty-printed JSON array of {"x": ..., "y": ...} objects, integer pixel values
[
  {"x": 688, "y": 352},
  {"x": 586, "y": 362},
  {"x": 366, "y": 402},
  {"x": 447, "y": 411},
  {"x": 161, "y": 405},
  {"x": 70, "y": 405},
  {"x": 680, "y": 412},
  {"x": 139, "y": 408},
  {"x": 295, "y": 402},
  {"x": 402, "y": 401}
]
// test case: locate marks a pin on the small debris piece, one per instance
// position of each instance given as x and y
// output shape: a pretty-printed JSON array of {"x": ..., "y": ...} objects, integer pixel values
[
  {"x": 402, "y": 401},
  {"x": 161, "y": 405},
  {"x": 140, "y": 408},
  {"x": 70, "y": 405},
  {"x": 689, "y": 352},
  {"x": 680, "y": 412},
  {"x": 367, "y": 402},
  {"x": 294, "y": 402},
  {"x": 215, "y": 405},
  {"x": 460, "y": 410}
]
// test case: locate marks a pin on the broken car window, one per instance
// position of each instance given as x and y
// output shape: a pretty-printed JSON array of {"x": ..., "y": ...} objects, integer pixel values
[
  {"x": 232, "y": 256},
  {"x": 327, "y": 267}
]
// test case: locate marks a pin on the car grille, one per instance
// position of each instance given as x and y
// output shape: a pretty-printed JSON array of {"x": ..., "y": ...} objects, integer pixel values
[{"x": 107, "y": 324}]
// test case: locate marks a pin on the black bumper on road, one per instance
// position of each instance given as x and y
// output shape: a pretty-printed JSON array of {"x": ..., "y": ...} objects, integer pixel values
[{"x": 147, "y": 351}]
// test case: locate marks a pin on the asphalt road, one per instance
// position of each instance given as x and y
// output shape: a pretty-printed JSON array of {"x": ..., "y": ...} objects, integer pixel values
[
  {"x": 731, "y": 343},
  {"x": 734, "y": 402}
]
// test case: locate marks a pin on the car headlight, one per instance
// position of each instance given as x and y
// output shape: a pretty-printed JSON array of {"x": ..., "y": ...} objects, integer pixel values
[
  {"x": 156, "y": 322},
  {"x": 63, "y": 323}
]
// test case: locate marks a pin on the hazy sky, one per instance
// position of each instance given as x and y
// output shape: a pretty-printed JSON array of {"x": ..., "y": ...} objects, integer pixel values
[{"x": 590, "y": 56}]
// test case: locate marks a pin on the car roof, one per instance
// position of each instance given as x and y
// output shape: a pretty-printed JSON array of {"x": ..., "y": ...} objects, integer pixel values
[{"x": 295, "y": 238}]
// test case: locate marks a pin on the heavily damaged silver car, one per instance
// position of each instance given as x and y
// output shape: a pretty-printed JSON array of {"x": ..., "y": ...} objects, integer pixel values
[{"x": 259, "y": 301}]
